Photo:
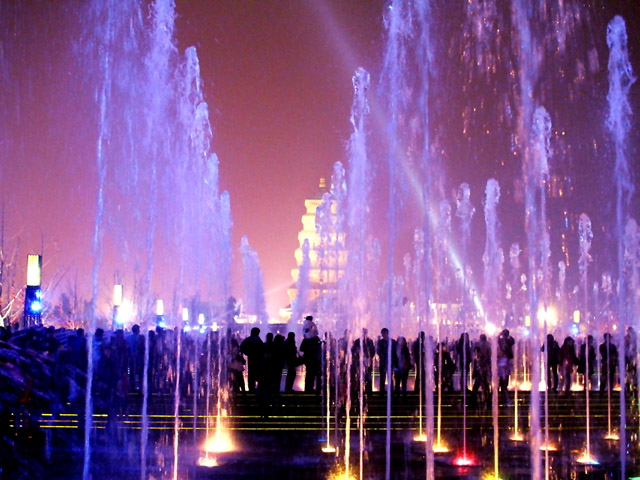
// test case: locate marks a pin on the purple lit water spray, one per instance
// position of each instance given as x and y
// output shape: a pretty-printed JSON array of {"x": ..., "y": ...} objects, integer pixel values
[
  {"x": 357, "y": 222},
  {"x": 538, "y": 175},
  {"x": 492, "y": 264},
  {"x": 585, "y": 238},
  {"x": 115, "y": 30},
  {"x": 465, "y": 211},
  {"x": 618, "y": 123},
  {"x": 393, "y": 74}
]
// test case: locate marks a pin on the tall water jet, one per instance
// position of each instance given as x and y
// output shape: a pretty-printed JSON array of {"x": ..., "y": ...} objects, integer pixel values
[
  {"x": 585, "y": 237},
  {"x": 339, "y": 196},
  {"x": 423, "y": 58},
  {"x": 539, "y": 276},
  {"x": 491, "y": 257},
  {"x": 528, "y": 54},
  {"x": 222, "y": 392},
  {"x": 465, "y": 211},
  {"x": 324, "y": 229},
  {"x": 441, "y": 251},
  {"x": 176, "y": 402},
  {"x": 114, "y": 29},
  {"x": 514, "y": 261},
  {"x": 632, "y": 260},
  {"x": 357, "y": 221},
  {"x": 159, "y": 74},
  {"x": 618, "y": 123},
  {"x": 421, "y": 306},
  {"x": 492, "y": 263},
  {"x": 394, "y": 74}
]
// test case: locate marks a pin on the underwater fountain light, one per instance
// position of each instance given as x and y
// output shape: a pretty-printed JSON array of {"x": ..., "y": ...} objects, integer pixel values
[
  {"x": 490, "y": 476},
  {"x": 525, "y": 386},
  {"x": 185, "y": 314},
  {"x": 549, "y": 314},
  {"x": 490, "y": 328},
  {"x": 440, "y": 448},
  {"x": 587, "y": 459},
  {"x": 612, "y": 436},
  {"x": 328, "y": 449},
  {"x": 517, "y": 437},
  {"x": 208, "y": 461},
  {"x": 421, "y": 437},
  {"x": 201, "y": 319},
  {"x": 340, "y": 475},
  {"x": 219, "y": 442},
  {"x": 464, "y": 461}
]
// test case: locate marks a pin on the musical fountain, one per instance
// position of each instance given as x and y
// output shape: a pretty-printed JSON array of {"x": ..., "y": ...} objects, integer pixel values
[{"x": 169, "y": 137}]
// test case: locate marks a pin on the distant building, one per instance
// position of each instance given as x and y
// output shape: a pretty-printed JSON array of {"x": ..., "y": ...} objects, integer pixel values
[{"x": 327, "y": 261}]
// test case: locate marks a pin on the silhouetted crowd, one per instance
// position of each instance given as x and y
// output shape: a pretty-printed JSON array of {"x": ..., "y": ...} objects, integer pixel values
[{"x": 51, "y": 365}]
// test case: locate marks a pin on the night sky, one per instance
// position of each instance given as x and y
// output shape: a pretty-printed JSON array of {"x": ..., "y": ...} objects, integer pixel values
[{"x": 277, "y": 77}]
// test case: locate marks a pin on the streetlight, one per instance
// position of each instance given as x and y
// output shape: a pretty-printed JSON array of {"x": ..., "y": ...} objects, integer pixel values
[
  {"x": 33, "y": 291},
  {"x": 117, "y": 303},
  {"x": 185, "y": 317},
  {"x": 160, "y": 314}
]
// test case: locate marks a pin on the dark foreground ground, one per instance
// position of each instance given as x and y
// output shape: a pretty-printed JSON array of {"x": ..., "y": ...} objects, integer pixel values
[{"x": 285, "y": 440}]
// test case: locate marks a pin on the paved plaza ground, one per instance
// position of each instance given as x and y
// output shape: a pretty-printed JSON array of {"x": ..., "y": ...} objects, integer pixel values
[{"x": 285, "y": 440}]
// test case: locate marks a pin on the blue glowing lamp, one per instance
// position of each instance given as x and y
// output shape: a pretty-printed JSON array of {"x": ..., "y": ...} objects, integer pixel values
[{"x": 33, "y": 292}]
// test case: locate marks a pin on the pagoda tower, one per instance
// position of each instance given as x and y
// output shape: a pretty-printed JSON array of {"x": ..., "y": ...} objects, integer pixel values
[{"x": 324, "y": 269}]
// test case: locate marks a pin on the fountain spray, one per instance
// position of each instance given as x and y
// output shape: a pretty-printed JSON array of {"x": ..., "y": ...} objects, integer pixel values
[
  {"x": 465, "y": 211},
  {"x": 324, "y": 228},
  {"x": 618, "y": 123},
  {"x": 392, "y": 69},
  {"x": 491, "y": 259},
  {"x": 109, "y": 33},
  {"x": 585, "y": 237},
  {"x": 357, "y": 201},
  {"x": 444, "y": 229},
  {"x": 339, "y": 195}
]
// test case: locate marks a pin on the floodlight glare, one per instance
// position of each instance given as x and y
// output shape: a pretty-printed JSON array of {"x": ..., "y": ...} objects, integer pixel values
[
  {"x": 34, "y": 270},
  {"x": 117, "y": 295}
]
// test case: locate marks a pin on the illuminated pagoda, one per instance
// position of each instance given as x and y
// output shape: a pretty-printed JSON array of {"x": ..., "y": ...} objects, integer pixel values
[{"x": 326, "y": 262}]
